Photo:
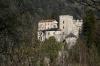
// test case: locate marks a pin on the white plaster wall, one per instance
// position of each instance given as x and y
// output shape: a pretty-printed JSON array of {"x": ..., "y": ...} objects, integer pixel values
[
  {"x": 71, "y": 41},
  {"x": 68, "y": 23},
  {"x": 41, "y": 36},
  {"x": 41, "y": 26},
  {"x": 47, "y": 25},
  {"x": 54, "y": 24},
  {"x": 56, "y": 34},
  {"x": 58, "y": 37},
  {"x": 77, "y": 27}
]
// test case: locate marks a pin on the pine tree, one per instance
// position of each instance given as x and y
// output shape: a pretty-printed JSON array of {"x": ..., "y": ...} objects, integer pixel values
[{"x": 89, "y": 27}]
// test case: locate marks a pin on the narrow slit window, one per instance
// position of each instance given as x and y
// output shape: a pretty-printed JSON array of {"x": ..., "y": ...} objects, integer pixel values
[
  {"x": 63, "y": 22},
  {"x": 63, "y": 27}
]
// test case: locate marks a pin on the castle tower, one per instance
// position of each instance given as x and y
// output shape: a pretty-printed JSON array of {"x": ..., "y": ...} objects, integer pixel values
[{"x": 66, "y": 24}]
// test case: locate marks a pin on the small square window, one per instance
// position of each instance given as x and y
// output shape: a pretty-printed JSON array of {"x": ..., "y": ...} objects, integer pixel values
[
  {"x": 54, "y": 33},
  {"x": 54, "y": 26}
]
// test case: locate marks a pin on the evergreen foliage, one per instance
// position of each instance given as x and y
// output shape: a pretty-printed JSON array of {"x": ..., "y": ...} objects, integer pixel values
[
  {"x": 89, "y": 27},
  {"x": 50, "y": 48},
  {"x": 18, "y": 33}
]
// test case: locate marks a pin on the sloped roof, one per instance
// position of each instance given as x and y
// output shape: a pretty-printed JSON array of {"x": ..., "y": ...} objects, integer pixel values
[{"x": 71, "y": 35}]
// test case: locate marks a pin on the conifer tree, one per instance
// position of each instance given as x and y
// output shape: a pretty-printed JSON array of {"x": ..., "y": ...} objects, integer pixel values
[{"x": 89, "y": 27}]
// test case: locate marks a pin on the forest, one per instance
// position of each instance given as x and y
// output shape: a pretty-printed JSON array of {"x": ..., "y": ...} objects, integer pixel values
[{"x": 19, "y": 45}]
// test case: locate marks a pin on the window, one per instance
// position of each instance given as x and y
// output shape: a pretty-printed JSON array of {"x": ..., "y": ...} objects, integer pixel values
[
  {"x": 48, "y": 33},
  {"x": 41, "y": 39},
  {"x": 63, "y": 33},
  {"x": 54, "y": 26},
  {"x": 63, "y": 22},
  {"x": 54, "y": 33},
  {"x": 63, "y": 27},
  {"x": 41, "y": 33}
]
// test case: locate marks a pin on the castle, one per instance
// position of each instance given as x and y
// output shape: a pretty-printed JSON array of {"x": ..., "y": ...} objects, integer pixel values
[{"x": 66, "y": 29}]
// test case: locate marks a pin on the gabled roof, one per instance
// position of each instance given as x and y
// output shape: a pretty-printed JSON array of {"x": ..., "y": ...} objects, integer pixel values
[{"x": 71, "y": 35}]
